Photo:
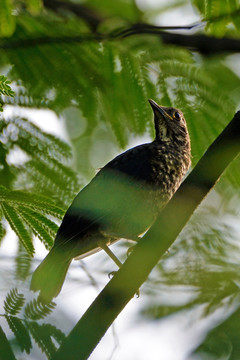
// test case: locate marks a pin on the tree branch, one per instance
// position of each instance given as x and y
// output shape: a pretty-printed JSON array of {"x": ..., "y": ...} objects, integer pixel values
[
  {"x": 204, "y": 44},
  {"x": 207, "y": 45},
  {"x": 146, "y": 254}
]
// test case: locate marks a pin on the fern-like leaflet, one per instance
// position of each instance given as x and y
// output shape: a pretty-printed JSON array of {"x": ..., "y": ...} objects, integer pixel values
[
  {"x": 23, "y": 263},
  {"x": 47, "y": 158},
  {"x": 14, "y": 302},
  {"x": 36, "y": 310},
  {"x": 2, "y": 231},
  {"x": 41, "y": 226},
  {"x": 5, "y": 89},
  {"x": 19, "y": 227},
  {"x": 25, "y": 328},
  {"x": 25, "y": 211},
  {"x": 21, "y": 333},
  {"x": 43, "y": 335}
]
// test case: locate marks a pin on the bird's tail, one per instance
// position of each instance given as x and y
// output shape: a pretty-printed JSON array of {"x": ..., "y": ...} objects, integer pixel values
[{"x": 50, "y": 275}]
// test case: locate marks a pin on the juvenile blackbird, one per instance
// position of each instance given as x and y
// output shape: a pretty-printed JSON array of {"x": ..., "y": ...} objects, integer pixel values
[{"x": 121, "y": 201}]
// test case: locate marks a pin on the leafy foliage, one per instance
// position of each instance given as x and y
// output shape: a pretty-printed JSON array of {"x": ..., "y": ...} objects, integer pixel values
[
  {"x": 14, "y": 302},
  {"x": 44, "y": 335},
  {"x": 44, "y": 170},
  {"x": 5, "y": 89},
  {"x": 24, "y": 329},
  {"x": 57, "y": 63},
  {"x": 24, "y": 211},
  {"x": 201, "y": 255},
  {"x": 36, "y": 310},
  {"x": 18, "y": 227},
  {"x": 201, "y": 270},
  {"x": 219, "y": 15},
  {"x": 23, "y": 263},
  {"x": 7, "y": 20},
  {"x": 2, "y": 231},
  {"x": 21, "y": 333},
  {"x": 44, "y": 167},
  {"x": 223, "y": 340}
]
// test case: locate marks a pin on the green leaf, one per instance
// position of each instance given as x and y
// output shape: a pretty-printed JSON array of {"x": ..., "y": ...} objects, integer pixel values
[
  {"x": 7, "y": 20},
  {"x": 5, "y": 89},
  {"x": 2, "y": 231},
  {"x": 21, "y": 333},
  {"x": 26, "y": 211},
  {"x": 222, "y": 341},
  {"x": 25, "y": 100},
  {"x": 40, "y": 142},
  {"x": 50, "y": 178},
  {"x": 13, "y": 302},
  {"x": 46, "y": 166},
  {"x": 32, "y": 201},
  {"x": 57, "y": 334},
  {"x": 36, "y": 309},
  {"x": 18, "y": 227},
  {"x": 43, "y": 335},
  {"x": 122, "y": 9},
  {"x": 34, "y": 6},
  {"x": 219, "y": 15},
  {"x": 41, "y": 226},
  {"x": 23, "y": 263}
]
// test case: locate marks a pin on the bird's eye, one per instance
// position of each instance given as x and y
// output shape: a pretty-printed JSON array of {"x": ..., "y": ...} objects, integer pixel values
[{"x": 177, "y": 115}]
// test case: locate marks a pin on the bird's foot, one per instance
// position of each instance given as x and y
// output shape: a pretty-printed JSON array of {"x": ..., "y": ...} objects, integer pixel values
[
  {"x": 129, "y": 250},
  {"x": 137, "y": 294},
  {"x": 103, "y": 245},
  {"x": 111, "y": 274}
]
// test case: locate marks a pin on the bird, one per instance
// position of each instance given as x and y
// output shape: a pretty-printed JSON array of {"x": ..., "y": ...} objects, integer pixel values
[{"x": 121, "y": 202}]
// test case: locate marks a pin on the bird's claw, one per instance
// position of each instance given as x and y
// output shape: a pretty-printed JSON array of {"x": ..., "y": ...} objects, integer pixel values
[
  {"x": 111, "y": 274},
  {"x": 129, "y": 250}
]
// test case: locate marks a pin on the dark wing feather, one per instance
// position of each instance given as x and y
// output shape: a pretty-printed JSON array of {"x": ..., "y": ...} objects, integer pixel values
[
  {"x": 134, "y": 163},
  {"x": 107, "y": 201}
]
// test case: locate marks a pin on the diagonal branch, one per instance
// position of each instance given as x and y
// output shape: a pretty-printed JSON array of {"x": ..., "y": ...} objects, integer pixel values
[{"x": 118, "y": 292}]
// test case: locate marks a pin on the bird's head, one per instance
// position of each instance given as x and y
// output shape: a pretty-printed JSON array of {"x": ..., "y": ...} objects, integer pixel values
[{"x": 170, "y": 125}]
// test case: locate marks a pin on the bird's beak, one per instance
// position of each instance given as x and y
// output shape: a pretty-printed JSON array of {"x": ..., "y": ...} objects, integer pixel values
[{"x": 159, "y": 109}]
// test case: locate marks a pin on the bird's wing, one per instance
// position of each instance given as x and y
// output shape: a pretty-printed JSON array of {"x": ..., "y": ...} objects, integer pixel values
[
  {"x": 114, "y": 193},
  {"x": 134, "y": 163}
]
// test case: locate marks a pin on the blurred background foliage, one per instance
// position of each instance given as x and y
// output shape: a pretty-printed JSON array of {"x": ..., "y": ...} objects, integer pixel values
[{"x": 71, "y": 58}]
